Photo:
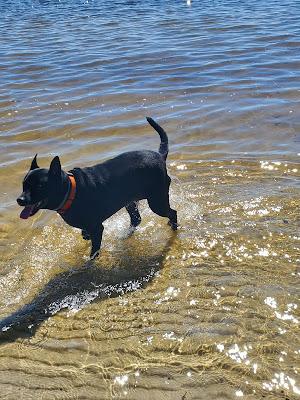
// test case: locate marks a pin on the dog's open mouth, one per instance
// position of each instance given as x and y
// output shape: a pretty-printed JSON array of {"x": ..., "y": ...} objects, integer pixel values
[{"x": 29, "y": 211}]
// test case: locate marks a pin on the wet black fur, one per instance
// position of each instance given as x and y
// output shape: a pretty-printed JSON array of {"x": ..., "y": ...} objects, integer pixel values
[{"x": 103, "y": 189}]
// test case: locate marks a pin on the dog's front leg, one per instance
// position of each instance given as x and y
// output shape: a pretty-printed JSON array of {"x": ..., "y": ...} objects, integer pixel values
[{"x": 96, "y": 237}]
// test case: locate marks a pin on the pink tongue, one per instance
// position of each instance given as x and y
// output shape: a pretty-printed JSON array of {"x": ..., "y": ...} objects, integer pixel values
[{"x": 25, "y": 213}]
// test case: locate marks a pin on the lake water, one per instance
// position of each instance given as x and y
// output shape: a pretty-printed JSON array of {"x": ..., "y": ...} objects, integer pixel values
[{"x": 211, "y": 312}]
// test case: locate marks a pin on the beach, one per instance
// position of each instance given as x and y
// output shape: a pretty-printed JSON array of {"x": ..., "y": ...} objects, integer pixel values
[{"x": 208, "y": 312}]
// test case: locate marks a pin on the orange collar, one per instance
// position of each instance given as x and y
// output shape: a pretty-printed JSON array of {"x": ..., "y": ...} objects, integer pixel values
[{"x": 70, "y": 197}]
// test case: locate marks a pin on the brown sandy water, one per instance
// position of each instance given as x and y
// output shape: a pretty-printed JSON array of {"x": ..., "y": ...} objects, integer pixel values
[{"x": 211, "y": 312}]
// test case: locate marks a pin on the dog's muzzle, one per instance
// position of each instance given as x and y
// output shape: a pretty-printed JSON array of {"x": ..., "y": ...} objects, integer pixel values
[{"x": 29, "y": 210}]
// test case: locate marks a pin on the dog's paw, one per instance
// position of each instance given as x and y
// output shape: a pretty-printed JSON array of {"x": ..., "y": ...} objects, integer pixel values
[
  {"x": 131, "y": 231},
  {"x": 173, "y": 225},
  {"x": 94, "y": 255},
  {"x": 85, "y": 235}
]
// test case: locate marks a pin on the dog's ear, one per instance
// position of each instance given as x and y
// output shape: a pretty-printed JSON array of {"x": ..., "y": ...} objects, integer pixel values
[
  {"x": 55, "y": 167},
  {"x": 34, "y": 163}
]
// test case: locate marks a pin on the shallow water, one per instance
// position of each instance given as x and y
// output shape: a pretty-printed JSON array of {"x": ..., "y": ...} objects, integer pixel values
[{"x": 211, "y": 312}]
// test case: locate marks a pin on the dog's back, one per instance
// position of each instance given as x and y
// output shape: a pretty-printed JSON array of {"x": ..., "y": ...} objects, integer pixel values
[{"x": 130, "y": 176}]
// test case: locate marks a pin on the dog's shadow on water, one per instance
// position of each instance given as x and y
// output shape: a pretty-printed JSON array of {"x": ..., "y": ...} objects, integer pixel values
[{"x": 79, "y": 286}]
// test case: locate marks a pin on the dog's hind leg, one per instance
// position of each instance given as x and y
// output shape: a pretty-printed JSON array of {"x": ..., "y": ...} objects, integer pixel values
[
  {"x": 133, "y": 211},
  {"x": 160, "y": 205}
]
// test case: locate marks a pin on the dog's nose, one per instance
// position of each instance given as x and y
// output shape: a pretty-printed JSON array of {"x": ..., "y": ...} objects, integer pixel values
[{"x": 21, "y": 201}]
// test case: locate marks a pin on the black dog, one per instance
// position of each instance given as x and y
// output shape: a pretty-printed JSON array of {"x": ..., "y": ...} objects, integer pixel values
[{"x": 85, "y": 197}]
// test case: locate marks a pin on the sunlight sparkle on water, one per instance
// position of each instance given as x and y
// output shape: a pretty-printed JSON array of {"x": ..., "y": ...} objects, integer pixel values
[
  {"x": 121, "y": 380},
  {"x": 170, "y": 293},
  {"x": 281, "y": 381},
  {"x": 271, "y": 302},
  {"x": 239, "y": 393}
]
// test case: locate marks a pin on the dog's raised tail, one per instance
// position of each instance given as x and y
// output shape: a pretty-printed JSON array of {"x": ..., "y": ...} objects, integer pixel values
[{"x": 164, "y": 144}]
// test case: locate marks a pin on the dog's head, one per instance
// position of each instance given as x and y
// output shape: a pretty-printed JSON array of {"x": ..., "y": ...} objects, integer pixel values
[{"x": 42, "y": 188}]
